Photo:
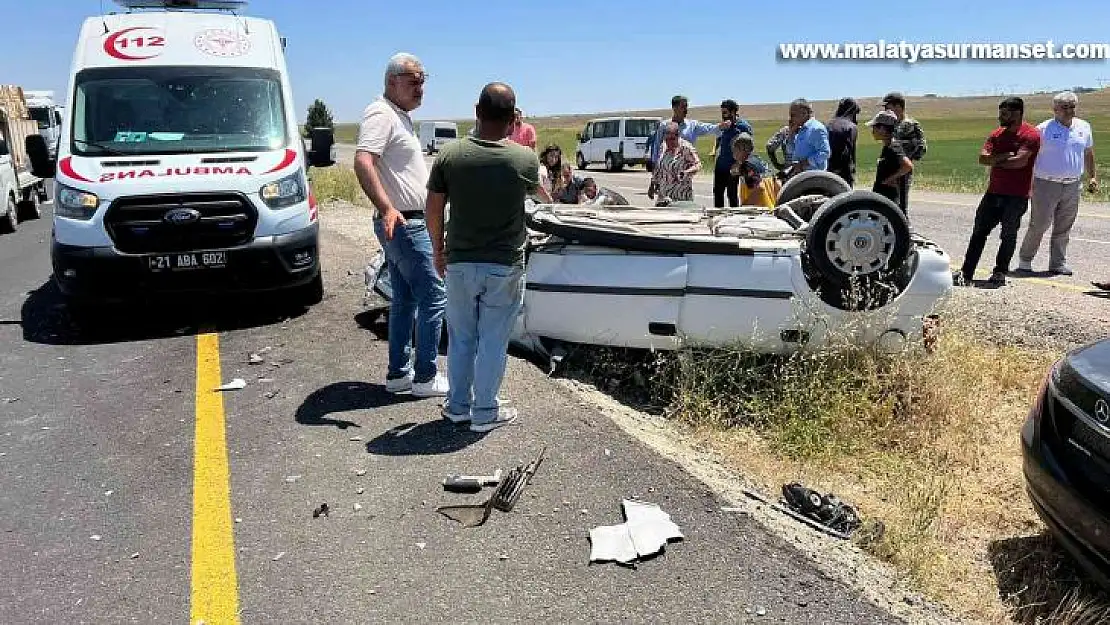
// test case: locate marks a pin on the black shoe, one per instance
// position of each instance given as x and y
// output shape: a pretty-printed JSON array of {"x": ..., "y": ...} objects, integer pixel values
[
  {"x": 997, "y": 278},
  {"x": 959, "y": 279}
]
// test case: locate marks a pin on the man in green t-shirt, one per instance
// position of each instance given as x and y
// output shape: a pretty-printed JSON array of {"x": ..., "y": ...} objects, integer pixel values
[{"x": 486, "y": 178}]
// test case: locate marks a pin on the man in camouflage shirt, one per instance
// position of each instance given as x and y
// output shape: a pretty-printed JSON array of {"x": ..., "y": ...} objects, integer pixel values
[{"x": 910, "y": 136}]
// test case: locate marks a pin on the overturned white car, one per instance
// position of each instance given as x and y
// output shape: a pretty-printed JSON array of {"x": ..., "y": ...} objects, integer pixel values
[{"x": 827, "y": 263}]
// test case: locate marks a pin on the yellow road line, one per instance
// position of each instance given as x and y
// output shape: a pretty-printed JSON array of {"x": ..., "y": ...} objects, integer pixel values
[{"x": 215, "y": 590}]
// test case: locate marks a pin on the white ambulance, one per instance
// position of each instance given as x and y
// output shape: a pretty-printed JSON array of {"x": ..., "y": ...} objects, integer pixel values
[{"x": 180, "y": 166}]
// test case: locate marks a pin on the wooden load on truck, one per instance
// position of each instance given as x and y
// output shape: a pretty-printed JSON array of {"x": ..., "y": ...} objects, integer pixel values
[
  {"x": 16, "y": 125},
  {"x": 20, "y": 191}
]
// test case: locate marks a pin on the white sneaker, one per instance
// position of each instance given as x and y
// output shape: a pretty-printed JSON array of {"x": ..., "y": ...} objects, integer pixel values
[
  {"x": 399, "y": 385},
  {"x": 436, "y": 387},
  {"x": 504, "y": 416},
  {"x": 453, "y": 417},
  {"x": 1025, "y": 265}
]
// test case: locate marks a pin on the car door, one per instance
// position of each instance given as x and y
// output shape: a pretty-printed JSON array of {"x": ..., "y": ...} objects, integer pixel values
[
  {"x": 584, "y": 141},
  {"x": 611, "y": 142},
  {"x": 618, "y": 299}
]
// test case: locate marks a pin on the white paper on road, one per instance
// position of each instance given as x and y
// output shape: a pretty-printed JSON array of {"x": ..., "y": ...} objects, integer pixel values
[
  {"x": 647, "y": 528},
  {"x": 237, "y": 384}
]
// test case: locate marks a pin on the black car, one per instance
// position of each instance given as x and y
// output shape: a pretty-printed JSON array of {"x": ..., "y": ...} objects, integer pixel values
[{"x": 1066, "y": 449}]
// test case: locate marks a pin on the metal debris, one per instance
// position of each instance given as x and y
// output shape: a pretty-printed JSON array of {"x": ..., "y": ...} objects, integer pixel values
[{"x": 322, "y": 510}]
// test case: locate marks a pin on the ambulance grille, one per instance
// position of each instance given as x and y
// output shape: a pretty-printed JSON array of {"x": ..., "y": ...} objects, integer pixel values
[{"x": 152, "y": 224}]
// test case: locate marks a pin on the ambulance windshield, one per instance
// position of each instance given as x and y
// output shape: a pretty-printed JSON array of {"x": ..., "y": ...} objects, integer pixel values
[{"x": 177, "y": 110}]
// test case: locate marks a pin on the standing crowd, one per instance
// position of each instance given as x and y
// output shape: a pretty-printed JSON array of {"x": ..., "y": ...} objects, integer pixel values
[{"x": 469, "y": 273}]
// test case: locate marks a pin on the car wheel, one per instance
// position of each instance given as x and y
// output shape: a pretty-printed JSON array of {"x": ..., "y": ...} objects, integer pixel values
[
  {"x": 857, "y": 236},
  {"x": 30, "y": 208},
  {"x": 9, "y": 221},
  {"x": 610, "y": 165},
  {"x": 581, "y": 161},
  {"x": 815, "y": 182}
]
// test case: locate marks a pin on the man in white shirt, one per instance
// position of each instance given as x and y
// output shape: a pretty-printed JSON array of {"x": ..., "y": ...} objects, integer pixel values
[
  {"x": 1067, "y": 148},
  {"x": 389, "y": 162}
]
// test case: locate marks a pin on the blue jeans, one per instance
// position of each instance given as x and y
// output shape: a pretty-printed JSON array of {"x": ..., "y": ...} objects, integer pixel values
[
  {"x": 483, "y": 302},
  {"x": 418, "y": 296}
]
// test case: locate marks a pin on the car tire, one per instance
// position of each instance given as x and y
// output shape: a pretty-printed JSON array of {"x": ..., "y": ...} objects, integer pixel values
[
  {"x": 857, "y": 237},
  {"x": 30, "y": 208},
  {"x": 610, "y": 162},
  {"x": 9, "y": 221},
  {"x": 816, "y": 182},
  {"x": 582, "y": 164}
]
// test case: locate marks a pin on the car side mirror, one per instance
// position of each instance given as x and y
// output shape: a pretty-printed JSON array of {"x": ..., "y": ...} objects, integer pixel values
[
  {"x": 581, "y": 139},
  {"x": 322, "y": 153},
  {"x": 42, "y": 166}
]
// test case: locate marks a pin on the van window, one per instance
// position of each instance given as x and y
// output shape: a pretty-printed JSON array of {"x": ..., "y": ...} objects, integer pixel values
[
  {"x": 640, "y": 127},
  {"x": 445, "y": 133},
  {"x": 178, "y": 110},
  {"x": 607, "y": 129}
]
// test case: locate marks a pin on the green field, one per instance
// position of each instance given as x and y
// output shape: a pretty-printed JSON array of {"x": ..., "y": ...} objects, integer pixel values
[{"x": 955, "y": 129}]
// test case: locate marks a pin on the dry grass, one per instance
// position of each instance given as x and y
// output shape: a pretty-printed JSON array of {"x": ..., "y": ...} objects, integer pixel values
[{"x": 928, "y": 444}]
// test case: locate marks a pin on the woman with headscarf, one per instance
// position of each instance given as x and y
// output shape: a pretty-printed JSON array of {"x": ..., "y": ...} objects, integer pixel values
[{"x": 672, "y": 180}]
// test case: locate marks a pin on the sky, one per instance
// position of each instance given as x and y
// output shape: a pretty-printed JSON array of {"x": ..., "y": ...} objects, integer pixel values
[{"x": 578, "y": 56}]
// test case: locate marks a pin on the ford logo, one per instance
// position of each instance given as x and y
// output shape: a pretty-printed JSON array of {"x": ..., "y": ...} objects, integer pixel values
[{"x": 181, "y": 216}]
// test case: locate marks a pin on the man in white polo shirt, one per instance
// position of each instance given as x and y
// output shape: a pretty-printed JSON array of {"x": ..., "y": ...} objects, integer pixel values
[
  {"x": 390, "y": 166},
  {"x": 1067, "y": 148}
]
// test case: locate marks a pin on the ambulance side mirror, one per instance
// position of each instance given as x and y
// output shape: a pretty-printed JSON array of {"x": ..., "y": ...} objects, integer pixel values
[
  {"x": 42, "y": 166},
  {"x": 322, "y": 152}
]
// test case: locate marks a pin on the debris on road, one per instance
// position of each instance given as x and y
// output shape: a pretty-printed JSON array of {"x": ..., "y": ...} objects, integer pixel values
[
  {"x": 279, "y": 556},
  {"x": 292, "y": 478},
  {"x": 360, "y": 490},
  {"x": 824, "y": 512},
  {"x": 255, "y": 359},
  {"x": 135, "y": 555},
  {"x": 421, "y": 545},
  {"x": 322, "y": 510},
  {"x": 360, "y": 472},
  {"x": 504, "y": 498},
  {"x": 271, "y": 394},
  {"x": 646, "y": 530},
  {"x": 355, "y": 439},
  {"x": 358, "y": 506},
  {"x": 95, "y": 537},
  {"x": 10, "y": 400},
  {"x": 471, "y": 483},
  {"x": 237, "y": 384}
]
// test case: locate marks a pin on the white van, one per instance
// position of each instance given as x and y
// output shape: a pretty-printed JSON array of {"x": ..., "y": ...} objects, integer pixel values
[
  {"x": 616, "y": 141},
  {"x": 44, "y": 110},
  {"x": 180, "y": 166},
  {"x": 434, "y": 135}
]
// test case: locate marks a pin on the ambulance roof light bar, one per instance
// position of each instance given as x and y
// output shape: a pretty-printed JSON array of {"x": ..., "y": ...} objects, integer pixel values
[{"x": 204, "y": 5}]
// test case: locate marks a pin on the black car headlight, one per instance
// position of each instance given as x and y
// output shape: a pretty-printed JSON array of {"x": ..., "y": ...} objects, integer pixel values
[
  {"x": 285, "y": 192},
  {"x": 75, "y": 204}
]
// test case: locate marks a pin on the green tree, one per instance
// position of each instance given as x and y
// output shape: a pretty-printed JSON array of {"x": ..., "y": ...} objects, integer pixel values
[{"x": 319, "y": 116}]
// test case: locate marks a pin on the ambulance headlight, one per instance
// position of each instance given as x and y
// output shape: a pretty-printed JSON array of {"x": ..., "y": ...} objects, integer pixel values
[
  {"x": 75, "y": 204},
  {"x": 285, "y": 192}
]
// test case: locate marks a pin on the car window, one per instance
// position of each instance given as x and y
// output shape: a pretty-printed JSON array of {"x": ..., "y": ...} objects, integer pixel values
[
  {"x": 587, "y": 131},
  {"x": 640, "y": 127}
]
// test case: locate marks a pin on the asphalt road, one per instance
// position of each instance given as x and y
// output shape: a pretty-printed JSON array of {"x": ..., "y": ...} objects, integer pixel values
[{"x": 130, "y": 491}]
